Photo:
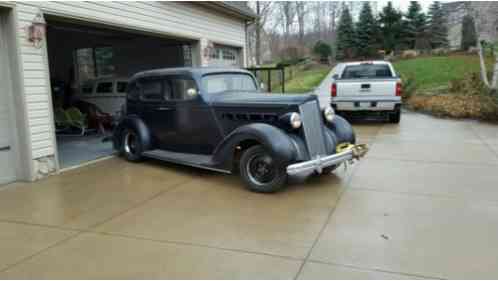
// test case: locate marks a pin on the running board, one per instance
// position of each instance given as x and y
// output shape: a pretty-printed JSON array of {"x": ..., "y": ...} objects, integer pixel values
[{"x": 194, "y": 160}]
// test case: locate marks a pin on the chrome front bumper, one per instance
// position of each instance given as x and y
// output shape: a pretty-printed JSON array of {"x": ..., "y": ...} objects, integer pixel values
[{"x": 320, "y": 162}]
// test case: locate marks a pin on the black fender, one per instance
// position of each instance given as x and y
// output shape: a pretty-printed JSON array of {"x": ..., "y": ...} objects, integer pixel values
[
  {"x": 342, "y": 130},
  {"x": 135, "y": 123},
  {"x": 330, "y": 140},
  {"x": 277, "y": 141}
]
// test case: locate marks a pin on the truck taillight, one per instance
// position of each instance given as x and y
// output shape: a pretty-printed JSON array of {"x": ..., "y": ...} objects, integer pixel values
[
  {"x": 399, "y": 89},
  {"x": 333, "y": 90}
]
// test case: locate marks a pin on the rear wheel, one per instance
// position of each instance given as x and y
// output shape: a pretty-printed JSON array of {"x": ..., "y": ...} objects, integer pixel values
[
  {"x": 131, "y": 147},
  {"x": 260, "y": 172},
  {"x": 395, "y": 117}
]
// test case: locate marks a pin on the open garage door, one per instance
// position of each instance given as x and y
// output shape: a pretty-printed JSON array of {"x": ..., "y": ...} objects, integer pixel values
[{"x": 90, "y": 66}]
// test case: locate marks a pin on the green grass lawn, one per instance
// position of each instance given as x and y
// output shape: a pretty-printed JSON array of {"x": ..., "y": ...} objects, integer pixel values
[
  {"x": 305, "y": 80},
  {"x": 434, "y": 72}
]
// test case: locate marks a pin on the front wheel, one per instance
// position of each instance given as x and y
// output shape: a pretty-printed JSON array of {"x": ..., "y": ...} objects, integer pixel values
[{"x": 260, "y": 172}]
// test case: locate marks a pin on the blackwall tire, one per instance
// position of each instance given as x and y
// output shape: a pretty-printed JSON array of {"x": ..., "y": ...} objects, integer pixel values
[
  {"x": 131, "y": 145},
  {"x": 259, "y": 171},
  {"x": 395, "y": 117}
]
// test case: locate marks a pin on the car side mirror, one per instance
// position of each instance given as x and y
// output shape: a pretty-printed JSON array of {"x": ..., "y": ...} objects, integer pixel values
[
  {"x": 335, "y": 76},
  {"x": 191, "y": 92}
]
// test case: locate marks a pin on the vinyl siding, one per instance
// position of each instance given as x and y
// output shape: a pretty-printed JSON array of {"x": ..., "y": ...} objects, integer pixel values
[{"x": 183, "y": 20}]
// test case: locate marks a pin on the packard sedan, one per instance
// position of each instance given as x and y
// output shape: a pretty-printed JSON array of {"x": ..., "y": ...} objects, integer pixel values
[{"x": 219, "y": 119}]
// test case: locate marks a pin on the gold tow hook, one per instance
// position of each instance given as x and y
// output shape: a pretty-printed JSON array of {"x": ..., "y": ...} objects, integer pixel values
[{"x": 359, "y": 150}]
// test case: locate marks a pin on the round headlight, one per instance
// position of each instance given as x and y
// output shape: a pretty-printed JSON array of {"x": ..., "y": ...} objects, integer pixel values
[
  {"x": 295, "y": 120},
  {"x": 329, "y": 114}
]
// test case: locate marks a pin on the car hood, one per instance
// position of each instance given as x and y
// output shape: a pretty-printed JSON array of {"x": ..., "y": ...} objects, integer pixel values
[{"x": 261, "y": 99}]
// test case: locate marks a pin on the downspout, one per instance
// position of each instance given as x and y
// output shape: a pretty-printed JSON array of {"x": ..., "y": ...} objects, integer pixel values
[{"x": 246, "y": 57}]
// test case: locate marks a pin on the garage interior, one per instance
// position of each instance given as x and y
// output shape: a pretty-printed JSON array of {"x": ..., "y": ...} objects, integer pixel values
[{"x": 88, "y": 59}]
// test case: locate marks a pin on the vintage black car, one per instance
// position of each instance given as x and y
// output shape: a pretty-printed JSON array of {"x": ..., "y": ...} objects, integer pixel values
[{"x": 218, "y": 119}]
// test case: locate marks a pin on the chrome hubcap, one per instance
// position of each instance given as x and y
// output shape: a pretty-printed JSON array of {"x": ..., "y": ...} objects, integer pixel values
[{"x": 130, "y": 143}]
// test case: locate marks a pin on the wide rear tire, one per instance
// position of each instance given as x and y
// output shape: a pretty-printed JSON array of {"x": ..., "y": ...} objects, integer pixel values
[
  {"x": 395, "y": 117},
  {"x": 131, "y": 145},
  {"x": 260, "y": 172}
]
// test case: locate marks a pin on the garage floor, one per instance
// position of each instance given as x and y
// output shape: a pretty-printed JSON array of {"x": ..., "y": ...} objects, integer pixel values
[
  {"x": 76, "y": 150},
  {"x": 423, "y": 204}
]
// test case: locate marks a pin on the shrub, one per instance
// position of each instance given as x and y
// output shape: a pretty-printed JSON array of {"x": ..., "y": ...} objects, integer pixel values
[
  {"x": 322, "y": 49},
  {"x": 409, "y": 86}
]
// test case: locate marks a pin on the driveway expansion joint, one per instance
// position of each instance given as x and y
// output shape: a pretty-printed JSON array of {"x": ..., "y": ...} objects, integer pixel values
[
  {"x": 327, "y": 220},
  {"x": 377, "y": 270}
]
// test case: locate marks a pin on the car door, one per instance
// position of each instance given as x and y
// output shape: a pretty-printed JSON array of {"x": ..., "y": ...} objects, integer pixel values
[
  {"x": 196, "y": 130},
  {"x": 157, "y": 111}
]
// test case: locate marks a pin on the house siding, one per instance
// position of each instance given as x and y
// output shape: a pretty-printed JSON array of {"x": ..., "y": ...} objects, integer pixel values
[{"x": 176, "y": 19}]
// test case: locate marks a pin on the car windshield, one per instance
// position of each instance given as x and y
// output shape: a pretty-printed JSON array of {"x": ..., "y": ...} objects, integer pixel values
[
  {"x": 367, "y": 71},
  {"x": 228, "y": 82}
]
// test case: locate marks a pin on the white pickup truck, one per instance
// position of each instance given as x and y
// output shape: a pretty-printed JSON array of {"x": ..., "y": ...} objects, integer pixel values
[{"x": 367, "y": 86}]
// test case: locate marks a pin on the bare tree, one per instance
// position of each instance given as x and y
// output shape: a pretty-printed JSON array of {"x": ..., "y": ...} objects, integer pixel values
[
  {"x": 262, "y": 12},
  {"x": 288, "y": 11},
  {"x": 481, "y": 52},
  {"x": 301, "y": 11}
]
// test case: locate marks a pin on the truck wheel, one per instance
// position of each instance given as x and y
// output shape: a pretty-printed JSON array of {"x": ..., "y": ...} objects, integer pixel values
[
  {"x": 131, "y": 145},
  {"x": 259, "y": 171},
  {"x": 395, "y": 117}
]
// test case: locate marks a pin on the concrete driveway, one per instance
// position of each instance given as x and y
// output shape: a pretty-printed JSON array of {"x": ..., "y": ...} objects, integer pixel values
[{"x": 423, "y": 204}]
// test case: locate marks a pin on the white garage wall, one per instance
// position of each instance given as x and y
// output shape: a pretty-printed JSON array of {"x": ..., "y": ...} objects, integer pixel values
[{"x": 179, "y": 19}]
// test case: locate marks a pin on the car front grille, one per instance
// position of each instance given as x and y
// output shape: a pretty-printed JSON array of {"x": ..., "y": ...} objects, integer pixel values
[{"x": 313, "y": 128}]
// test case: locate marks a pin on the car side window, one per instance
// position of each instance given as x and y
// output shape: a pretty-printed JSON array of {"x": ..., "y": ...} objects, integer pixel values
[
  {"x": 133, "y": 91},
  {"x": 183, "y": 88},
  {"x": 152, "y": 90}
]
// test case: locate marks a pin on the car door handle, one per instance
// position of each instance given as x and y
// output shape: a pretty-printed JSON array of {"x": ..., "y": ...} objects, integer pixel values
[
  {"x": 164, "y": 108},
  {"x": 4, "y": 148}
]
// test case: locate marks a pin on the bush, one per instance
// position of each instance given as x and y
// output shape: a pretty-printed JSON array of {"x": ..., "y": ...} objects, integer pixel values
[
  {"x": 470, "y": 85},
  {"x": 464, "y": 98},
  {"x": 409, "y": 86},
  {"x": 322, "y": 49},
  {"x": 457, "y": 106}
]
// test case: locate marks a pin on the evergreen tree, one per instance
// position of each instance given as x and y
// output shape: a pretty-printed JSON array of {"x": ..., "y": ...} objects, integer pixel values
[
  {"x": 345, "y": 35},
  {"x": 469, "y": 36},
  {"x": 437, "y": 29},
  {"x": 367, "y": 33},
  {"x": 391, "y": 27},
  {"x": 415, "y": 26}
]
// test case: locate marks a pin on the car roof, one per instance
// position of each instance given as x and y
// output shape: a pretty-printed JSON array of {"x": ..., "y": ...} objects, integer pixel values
[
  {"x": 197, "y": 71},
  {"x": 365, "y": 61}
]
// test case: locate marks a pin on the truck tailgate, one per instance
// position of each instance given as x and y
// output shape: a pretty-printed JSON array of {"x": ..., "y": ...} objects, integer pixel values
[{"x": 365, "y": 88}]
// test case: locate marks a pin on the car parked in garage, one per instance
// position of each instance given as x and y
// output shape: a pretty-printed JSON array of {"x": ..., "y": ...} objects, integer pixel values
[
  {"x": 367, "y": 87},
  {"x": 108, "y": 94},
  {"x": 219, "y": 119}
]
